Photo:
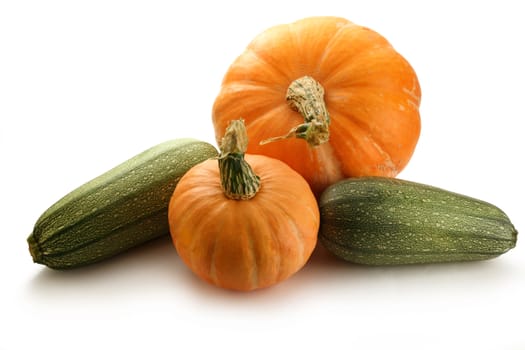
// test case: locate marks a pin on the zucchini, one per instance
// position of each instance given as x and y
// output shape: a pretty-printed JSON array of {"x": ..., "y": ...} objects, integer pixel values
[
  {"x": 116, "y": 211},
  {"x": 385, "y": 221}
]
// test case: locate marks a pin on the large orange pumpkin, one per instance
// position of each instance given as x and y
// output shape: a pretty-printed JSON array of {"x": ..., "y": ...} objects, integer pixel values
[
  {"x": 335, "y": 97},
  {"x": 243, "y": 222}
]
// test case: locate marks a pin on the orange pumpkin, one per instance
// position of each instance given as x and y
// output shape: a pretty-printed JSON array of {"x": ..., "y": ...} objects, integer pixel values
[
  {"x": 243, "y": 222},
  {"x": 336, "y": 98}
]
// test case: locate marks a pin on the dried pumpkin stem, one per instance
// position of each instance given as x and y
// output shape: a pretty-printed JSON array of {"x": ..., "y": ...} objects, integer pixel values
[
  {"x": 238, "y": 179},
  {"x": 306, "y": 96}
]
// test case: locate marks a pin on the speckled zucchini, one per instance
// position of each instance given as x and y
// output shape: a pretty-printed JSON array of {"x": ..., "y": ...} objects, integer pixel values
[
  {"x": 384, "y": 221},
  {"x": 118, "y": 210}
]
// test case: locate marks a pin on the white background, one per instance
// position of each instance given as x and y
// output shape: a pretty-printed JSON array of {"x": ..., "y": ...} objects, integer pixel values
[{"x": 85, "y": 85}]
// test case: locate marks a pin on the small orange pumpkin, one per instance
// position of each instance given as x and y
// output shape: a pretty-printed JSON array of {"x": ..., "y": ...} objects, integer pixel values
[
  {"x": 339, "y": 86},
  {"x": 243, "y": 222}
]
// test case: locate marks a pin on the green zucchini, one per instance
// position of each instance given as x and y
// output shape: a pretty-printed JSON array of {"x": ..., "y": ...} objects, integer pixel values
[
  {"x": 385, "y": 221},
  {"x": 116, "y": 211}
]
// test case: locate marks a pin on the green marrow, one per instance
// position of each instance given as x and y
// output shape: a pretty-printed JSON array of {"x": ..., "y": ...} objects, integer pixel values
[
  {"x": 116, "y": 211},
  {"x": 385, "y": 221}
]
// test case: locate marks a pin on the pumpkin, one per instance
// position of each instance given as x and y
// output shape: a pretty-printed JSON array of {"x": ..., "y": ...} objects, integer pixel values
[
  {"x": 330, "y": 98},
  {"x": 243, "y": 222}
]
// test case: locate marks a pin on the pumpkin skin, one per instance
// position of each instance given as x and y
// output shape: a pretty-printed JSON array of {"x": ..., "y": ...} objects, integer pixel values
[
  {"x": 244, "y": 244},
  {"x": 371, "y": 92}
]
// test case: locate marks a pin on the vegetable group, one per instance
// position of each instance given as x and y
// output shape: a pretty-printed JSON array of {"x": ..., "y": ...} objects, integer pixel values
[
  {"x": 120, "y": 209},
  {"x": 330, "y": 116},
  {"x": 330, "y": 98},
  {"x": 383, "y": 221},
  {"x": 243, "y": 222}
]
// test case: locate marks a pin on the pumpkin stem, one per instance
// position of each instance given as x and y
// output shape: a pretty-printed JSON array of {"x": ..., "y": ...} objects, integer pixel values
[
  {"x": 306, "y": 96},
  {"x": 238, "y": 179}
]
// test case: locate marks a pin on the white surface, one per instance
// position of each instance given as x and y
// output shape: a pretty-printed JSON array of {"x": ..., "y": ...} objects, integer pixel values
[{"x": 86, "y": 85}]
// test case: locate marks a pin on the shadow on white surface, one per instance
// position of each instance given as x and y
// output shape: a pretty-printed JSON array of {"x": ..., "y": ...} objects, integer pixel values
[{"x": 149, "y": 288}]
